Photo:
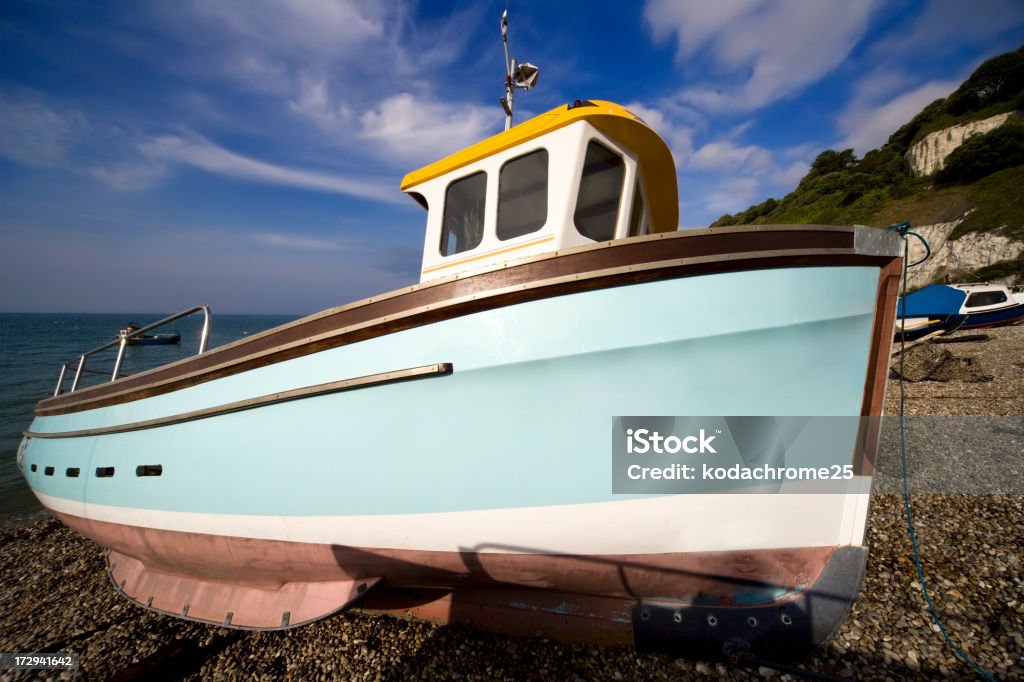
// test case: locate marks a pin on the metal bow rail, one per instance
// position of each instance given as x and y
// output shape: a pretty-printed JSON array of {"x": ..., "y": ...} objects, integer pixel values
[{"x": 122, "y": 343}]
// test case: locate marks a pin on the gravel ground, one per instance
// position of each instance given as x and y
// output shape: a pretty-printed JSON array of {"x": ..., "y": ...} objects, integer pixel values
[{"x": 55, "y": 596}]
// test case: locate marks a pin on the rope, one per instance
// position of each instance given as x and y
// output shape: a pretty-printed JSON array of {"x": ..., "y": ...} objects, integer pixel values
[{"x": 904, "y": 230}]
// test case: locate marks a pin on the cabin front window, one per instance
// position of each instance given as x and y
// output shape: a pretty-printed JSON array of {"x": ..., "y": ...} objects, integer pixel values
[
  {"x": 597, "y": 204},
  {"x": 463, "y": 225},
  {"x": 523, "y": 195},
  {"x": 638, "y": 222},
  {"x": 981, "y": 298}
]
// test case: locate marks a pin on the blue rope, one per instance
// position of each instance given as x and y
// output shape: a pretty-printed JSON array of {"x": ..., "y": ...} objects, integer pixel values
[{"x": 904, "y": 229}]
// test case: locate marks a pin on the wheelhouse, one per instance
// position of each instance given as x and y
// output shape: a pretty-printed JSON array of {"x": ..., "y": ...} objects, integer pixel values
[{"x": 582, "y": 173}]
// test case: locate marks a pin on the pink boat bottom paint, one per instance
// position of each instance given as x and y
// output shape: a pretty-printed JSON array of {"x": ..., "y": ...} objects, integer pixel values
[{"x": 236, "y": 580}]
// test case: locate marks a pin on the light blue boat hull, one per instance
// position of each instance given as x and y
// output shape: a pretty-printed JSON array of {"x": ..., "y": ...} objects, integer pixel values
[{"x": 526, "y": 410}]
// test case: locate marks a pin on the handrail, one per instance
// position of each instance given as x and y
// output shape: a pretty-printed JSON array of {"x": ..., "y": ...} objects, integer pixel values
[{"x": 122, "y": 342}]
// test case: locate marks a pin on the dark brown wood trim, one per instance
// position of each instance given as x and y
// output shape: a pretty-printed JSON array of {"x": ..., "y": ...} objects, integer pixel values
[
  {"x": 435, "y": 370},
  {"x": 878, "y": 367},
  {"x": 881, "y": 337},
  {"x": 609, "y": 264}
]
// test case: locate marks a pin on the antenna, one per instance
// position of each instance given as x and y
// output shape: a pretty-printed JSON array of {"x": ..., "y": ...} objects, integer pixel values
[{"x": 517, "y": 75}]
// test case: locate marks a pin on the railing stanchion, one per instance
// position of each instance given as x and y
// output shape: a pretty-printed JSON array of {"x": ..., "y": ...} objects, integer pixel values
[
  {"x": 120, "y": 358},
  {"x": 78, "y": 373},
  {"x": 60, "y": 380},
  {"x": 122, "y": 341},
  {"x": 205, "y": 336}
]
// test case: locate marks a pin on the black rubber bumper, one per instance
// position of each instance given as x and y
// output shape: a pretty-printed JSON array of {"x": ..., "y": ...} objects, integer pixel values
[{"x": 780, "y": 631}]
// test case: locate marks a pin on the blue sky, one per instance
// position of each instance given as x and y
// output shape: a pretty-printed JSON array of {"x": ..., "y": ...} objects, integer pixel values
[{"x": 247, "y": 153}]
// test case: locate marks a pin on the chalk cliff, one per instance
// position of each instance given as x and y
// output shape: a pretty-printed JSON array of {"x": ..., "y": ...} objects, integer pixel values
[
  {"x": 959, "y": 257},
  {"x": 929, "y": 155}
]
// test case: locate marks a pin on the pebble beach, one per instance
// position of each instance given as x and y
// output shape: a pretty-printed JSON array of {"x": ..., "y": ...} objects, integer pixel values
[{"x": 55, "y": 595}]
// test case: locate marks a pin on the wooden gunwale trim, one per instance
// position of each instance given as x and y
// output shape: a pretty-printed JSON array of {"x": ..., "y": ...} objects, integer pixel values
[
  {"x": 500, "y": 267},
  {"x": 598, "y": 266},
  {"x": 881, "y": 337},
  {"x": 379, "y": 379},
  {"x": 877, "y": 375}
]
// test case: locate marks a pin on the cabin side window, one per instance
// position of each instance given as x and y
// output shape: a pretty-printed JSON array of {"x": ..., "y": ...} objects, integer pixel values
[
  {"x": 981, "y": 298},
  {"x": 523, "y": 195},
  {"x": 638, "y": 221},
  {"x": 462, "y": 228},
  {"x": 597, "y": 204}
]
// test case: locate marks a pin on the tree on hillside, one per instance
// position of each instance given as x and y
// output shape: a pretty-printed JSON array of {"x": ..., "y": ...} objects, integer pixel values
[
  {"x": 831, "y": 161},
  {"x": 999, "y": 79}
]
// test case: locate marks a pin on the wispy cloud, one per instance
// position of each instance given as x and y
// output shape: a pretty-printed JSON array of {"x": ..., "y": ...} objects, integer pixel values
[
  {"x": 776, "y": 47},
  {"x": 131, "y": 177},
  {"x": 679, "y": 136},
  {"x": 952, "y": 22},
  {"x": 875, "y": 112},
  {"x": 36, "y": 135},
  {"x": 295, "y": 242},
  {"x": 420, "y": 129},
  {"x": 727, "y": 155},
  {"x": 205, "y": 155},
  {"x": 732, "y": 194},
  {"x": 324, "y": 27}
]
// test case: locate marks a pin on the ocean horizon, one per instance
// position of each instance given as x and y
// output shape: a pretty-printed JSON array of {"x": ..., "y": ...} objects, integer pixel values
[{"x": 33, "y": 346}]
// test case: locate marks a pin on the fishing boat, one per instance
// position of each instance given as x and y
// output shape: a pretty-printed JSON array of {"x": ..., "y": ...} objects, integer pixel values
[
  {"x": 948, "y": 307},
  {"x": 445, "y": 451},
  {"x": 134, "y": 335}
]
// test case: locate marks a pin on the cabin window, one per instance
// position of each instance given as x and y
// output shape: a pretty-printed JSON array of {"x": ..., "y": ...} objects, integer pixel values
[
  {"x": 638, "y": 222},
  {"x": 980, "y": 298},
  {"x": 600, "y": 190},
  {"x": 523, "y": 195},
  {"x": 463, "y": 226}
]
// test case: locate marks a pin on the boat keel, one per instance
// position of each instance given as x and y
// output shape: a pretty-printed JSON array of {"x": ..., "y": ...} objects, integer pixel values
[
  {"x": 787, "y": 630},
  {"x": 232, "y": 605}
]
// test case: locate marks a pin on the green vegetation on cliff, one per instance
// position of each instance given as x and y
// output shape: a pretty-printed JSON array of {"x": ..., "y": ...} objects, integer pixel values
[{"x": 983, "y": 177}]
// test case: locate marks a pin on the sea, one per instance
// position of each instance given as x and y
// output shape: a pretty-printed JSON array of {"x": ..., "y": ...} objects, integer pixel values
[{"x": 33, "y": 346}]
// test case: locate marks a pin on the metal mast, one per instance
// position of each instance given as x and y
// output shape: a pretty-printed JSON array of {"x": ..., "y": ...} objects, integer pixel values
[{"x": 516, "y": 75}]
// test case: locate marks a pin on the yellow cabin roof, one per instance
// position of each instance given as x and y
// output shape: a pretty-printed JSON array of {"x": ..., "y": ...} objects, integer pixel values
[{"x": 657, "y": 166}]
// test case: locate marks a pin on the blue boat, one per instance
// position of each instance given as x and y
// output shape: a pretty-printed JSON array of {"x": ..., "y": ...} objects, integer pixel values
[
  {"x": 444, "y": 451},
  {"x": 133, "y": 337},
  {"x": 948, "y": 307}
]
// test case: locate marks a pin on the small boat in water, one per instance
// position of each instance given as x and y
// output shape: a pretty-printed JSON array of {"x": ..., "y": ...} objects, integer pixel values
[
  {"x": 132, "y": 338},
  {"x": 948, "y": 307},
  {"x": 446, "y": 451}
]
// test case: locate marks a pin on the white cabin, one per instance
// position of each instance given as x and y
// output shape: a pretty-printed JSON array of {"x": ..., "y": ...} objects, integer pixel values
[{"x": 582, "y": 173}]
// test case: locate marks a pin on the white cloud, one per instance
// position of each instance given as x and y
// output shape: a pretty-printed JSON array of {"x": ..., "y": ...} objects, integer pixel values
[
  {"x": 727, "y": 155},
  {"x": 694, "y": 25},
  {"x": 313, "y": 101},
  {"x": 295, "y": 242},
  {"x": 33, "y": 134},
  {"x": 678, "y": 137},
  {"x": 869, "y": 120},
  {"x": 766, "y": 49},
  {"x": 415, "y": 129},
  {"x": 733, "y": 195},
  {"x": 203, "y": 154},
  {"x": 792, "y": 174},
  {"x": 325, "y": 27},
  {"x": 130, "y": 177},
  {"x": 953, "y": 22}
]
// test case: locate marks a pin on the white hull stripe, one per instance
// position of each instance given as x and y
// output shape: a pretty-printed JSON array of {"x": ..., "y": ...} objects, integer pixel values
[{"x": 672, "y": 523}]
